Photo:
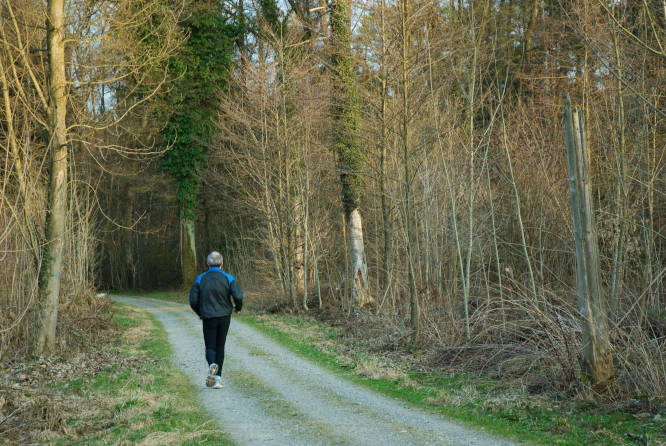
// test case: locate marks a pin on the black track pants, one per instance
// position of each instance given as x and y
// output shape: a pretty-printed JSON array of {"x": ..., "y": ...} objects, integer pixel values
[{"x": 215, "y": 335}]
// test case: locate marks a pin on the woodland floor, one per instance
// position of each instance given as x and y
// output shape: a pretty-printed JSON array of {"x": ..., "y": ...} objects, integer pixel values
[{"x": 273, "y": 396}]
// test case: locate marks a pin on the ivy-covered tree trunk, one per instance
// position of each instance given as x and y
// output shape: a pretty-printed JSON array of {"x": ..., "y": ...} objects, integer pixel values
[
  {"x": 200, "y": 70},
  {"x": 188, "y": 251},
  {"x": 49, "y": 283},
  {"x": 346, "y": 145}
]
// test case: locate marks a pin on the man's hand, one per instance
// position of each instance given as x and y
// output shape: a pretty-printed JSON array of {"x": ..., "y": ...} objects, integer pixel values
[{"x": 236, "y": 311}]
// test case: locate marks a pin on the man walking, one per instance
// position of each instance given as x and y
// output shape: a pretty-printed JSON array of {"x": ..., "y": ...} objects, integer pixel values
[{"x": 211, "y": 298}]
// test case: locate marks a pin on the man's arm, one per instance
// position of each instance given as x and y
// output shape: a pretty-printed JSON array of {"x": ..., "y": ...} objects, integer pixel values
[
  {"x": 237, "y": 295},
  {"x": 194, "y": 298}
]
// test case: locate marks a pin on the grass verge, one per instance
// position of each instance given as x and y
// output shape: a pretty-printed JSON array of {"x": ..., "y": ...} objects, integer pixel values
[
  {"x": 123, "y": 391},
  {"x": 151, "y": 402}
]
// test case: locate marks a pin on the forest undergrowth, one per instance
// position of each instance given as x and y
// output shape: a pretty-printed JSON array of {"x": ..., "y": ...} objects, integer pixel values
[
  {"x": 529, "y": 375},
  {"x": 30, "y": 409}
]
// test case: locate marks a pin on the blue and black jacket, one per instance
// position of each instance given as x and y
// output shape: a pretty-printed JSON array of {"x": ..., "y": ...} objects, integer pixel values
[{"x": 212, "y": 294}]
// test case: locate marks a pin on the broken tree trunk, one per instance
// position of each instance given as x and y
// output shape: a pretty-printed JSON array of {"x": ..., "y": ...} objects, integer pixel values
[{"x": 597, "y": 361}]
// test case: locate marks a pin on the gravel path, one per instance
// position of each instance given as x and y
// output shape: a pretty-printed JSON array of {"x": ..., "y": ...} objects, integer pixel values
[{"x": 274, "y": 397}]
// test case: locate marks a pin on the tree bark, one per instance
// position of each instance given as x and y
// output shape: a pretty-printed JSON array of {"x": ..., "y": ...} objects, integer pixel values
[
  {"x": 386, "y": 212},
  {"x": 358, "y": 268},
  {"x": 529, "y": 31},
  {"x": 128, "y": 245},
  {"x": 188, "y": 252},
  {"x": 49, "y": 284},
  {"x": 621, "y": 190}
]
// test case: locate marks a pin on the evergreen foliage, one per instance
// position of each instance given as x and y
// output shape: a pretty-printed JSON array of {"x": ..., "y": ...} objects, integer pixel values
[
  {"x": 271, "y": 13},
  {"x": 200, "y": 70},
  {"x": 346, "y": 108}
]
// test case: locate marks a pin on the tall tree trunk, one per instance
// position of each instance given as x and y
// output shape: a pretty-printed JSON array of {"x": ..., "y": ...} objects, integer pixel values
[
  {"x": 529, "y": 32},
  {"x": 347, "y": 146},
  {"x": 621, "y": 192},
  {"x": 128, "y": 235},
  {"x": 188, "y": 251},
  {"x": 49, "y": 283},
  {"x": 386, "y": 212},
  {"x": 413, "y": 302}
]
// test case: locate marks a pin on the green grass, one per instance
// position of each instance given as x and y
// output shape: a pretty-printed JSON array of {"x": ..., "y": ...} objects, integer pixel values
[{"x": 143, "y": 398}]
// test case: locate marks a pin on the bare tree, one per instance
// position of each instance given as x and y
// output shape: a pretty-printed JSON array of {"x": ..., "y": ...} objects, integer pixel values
[{"x": 61, "y": 95}]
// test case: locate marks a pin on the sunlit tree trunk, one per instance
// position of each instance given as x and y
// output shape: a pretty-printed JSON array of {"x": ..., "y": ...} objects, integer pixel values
[
  {"x": 529, "y": 31},
  {"x": 49, "y": 286},
  {"x": 188, "y": 253},
  {"x": 386, "y": 212},
  {"x": 29, "y": 227}
]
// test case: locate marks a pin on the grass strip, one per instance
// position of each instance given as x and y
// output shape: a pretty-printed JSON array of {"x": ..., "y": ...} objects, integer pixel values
[{"x": 144, "y": 399}]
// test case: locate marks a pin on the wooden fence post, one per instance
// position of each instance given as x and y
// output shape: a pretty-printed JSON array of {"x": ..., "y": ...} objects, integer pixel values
[{"x": 597, "y": 359}]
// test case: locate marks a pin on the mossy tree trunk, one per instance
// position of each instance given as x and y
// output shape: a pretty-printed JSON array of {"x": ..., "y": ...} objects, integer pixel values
[{"x": 200, "y": 71}]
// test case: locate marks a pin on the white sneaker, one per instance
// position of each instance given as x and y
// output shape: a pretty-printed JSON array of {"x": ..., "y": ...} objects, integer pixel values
[
  {"x": 211, "y": 379},
  {"x": 218, "y": 383}
]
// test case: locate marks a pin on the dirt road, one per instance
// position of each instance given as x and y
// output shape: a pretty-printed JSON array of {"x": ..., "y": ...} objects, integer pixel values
[{"x": 274, "y": 397}]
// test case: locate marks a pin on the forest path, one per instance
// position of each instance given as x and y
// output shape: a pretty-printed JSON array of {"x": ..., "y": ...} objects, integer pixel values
[{"x": 273, "y": 397}]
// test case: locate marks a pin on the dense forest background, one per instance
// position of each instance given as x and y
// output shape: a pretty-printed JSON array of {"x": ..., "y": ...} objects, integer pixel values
[{"x": 400, "y": 163}]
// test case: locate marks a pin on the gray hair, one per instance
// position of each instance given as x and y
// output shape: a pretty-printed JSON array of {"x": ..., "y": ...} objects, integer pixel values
[{"x": 214, "y": 259}]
